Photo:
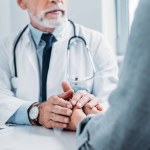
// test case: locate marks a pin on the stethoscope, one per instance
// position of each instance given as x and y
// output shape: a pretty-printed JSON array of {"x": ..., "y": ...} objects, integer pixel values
[{"x": 73, "y": 81}]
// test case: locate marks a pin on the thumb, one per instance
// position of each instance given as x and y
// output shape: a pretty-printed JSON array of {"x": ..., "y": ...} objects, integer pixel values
[
  {"x": 65, "y": 86},
  {"x": 67, "y": 95}
]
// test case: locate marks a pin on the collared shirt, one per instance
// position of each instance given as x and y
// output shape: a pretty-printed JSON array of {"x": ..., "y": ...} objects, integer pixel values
[{"x": 21, "y": 116}]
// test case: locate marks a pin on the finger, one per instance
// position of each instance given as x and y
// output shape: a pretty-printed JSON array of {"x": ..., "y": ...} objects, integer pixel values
[
  {"x": 61, "y": 110},
  {"x": 77, "y": 96},
  {"x": 61, "y": 102},
  {"x": 59, "y": 118},
  {"x": 92, "y": 103},
  {"x": 84, "y": 100},
  {"x": 67, "y": 95},
  {"x": 53, "y": 124},
  {"x": 66, "y": 87},
  {"x": 95, "y": 110},
  {"x": 99, "y": 107},
  {"x": 88, "y": 111}
]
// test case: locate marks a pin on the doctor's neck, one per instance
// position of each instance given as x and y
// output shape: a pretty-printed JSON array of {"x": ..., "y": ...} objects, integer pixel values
[{"x": 41, "y": 28}]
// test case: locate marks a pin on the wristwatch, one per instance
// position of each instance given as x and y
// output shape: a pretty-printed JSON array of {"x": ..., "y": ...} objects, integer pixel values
[{"x": 33, "y": 113}]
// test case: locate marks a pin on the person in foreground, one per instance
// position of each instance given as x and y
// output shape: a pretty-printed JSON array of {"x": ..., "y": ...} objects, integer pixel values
[{"x": 126, "y": 125}]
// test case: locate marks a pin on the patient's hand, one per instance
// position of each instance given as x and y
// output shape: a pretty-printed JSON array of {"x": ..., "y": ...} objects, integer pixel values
[
  {"x": 84, "y": 104},
  {"x": 82, "y": 98},
  {"x": 77, "y": 116},
  {"x": 93, "y": 110}
]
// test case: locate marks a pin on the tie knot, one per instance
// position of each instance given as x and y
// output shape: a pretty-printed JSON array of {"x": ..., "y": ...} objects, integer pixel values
[{"x": 48, "y": 38}]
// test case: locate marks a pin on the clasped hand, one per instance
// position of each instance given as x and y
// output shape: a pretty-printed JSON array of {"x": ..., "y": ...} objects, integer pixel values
[{"x": 66, "y": 110}]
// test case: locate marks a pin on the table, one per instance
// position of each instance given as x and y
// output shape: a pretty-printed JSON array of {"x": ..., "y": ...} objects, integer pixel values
[{"x": 36, "y": 138}]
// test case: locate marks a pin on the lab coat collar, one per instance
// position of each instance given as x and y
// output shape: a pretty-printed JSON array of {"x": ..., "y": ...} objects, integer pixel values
[{"x": 62, "y": 36}]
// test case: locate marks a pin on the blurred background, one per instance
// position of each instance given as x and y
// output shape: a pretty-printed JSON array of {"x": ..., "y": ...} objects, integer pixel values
[{"x": 111, "y": 17}]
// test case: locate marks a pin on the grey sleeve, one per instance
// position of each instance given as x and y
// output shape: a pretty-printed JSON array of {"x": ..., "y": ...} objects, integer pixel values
[
  {"x": 126, "y": 125},
  {"x": 81, "y": 133}
]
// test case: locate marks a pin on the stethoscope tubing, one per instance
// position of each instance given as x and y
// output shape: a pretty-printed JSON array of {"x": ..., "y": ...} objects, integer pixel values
[{"x": 14, "y": 50}]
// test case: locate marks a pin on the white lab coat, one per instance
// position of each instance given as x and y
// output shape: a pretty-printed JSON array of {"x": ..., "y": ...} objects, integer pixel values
[{"x": 13, "y": 93}]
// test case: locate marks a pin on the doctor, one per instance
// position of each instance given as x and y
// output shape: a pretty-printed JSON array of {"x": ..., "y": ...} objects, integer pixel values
[{"x": 32, "y": 70}]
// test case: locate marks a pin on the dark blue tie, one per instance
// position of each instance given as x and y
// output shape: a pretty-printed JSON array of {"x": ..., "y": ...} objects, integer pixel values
[{"x": 49, "y": 39}]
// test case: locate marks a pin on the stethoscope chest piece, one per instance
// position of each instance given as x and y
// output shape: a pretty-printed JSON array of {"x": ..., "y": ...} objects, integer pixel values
[{"x": 14, "y": 82}]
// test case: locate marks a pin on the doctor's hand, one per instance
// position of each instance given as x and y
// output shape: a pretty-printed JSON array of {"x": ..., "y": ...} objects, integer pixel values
[
  {"x": 82, "y": 98},
  {"x": 56, "y": 111}
]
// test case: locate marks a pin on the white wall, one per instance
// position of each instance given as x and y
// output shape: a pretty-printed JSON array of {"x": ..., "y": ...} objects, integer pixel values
[
  {"x": 11, "y": 16},
  {"x": 98, "y": 14},
  {"x": 108, "y": 21},
  {"x": 5, "y": 22},
  {"x": 19, "y": 17},
  {"x": 86, "y": 12}
]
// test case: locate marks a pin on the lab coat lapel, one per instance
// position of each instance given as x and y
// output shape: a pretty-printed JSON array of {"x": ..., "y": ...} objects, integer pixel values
[
  {"x": 32, "y": 55},
  {"x": 30, "y": 74},
  {"x": 57, "y": 66},
  {"x": 56, "y": 73}
]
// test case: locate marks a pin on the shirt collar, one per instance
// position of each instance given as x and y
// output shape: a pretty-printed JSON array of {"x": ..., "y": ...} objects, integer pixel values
[{"x": 36, "y": 34}]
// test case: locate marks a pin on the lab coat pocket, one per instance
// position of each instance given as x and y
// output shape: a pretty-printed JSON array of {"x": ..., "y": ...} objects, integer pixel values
[{"x": 83, "y": 85}]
